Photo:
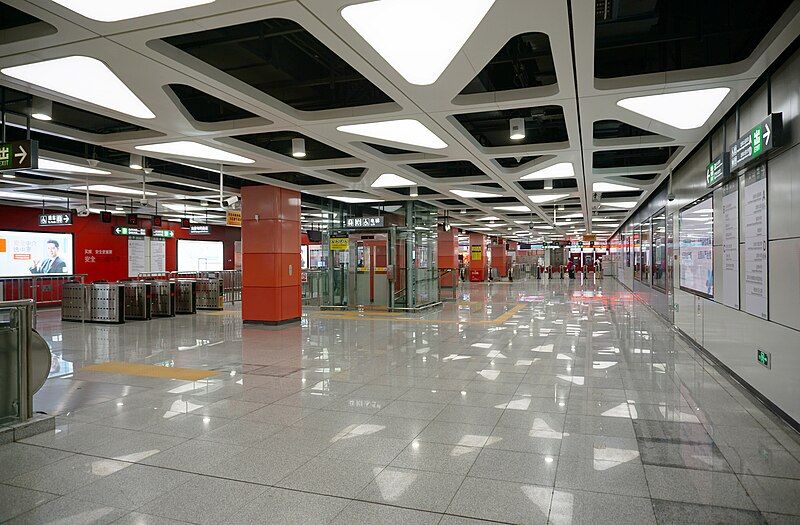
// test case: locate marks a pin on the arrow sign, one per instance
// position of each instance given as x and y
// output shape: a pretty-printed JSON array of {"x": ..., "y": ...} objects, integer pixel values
[
  {"x": 19, "y": 155},
  {"x": 767, "y": 133}
]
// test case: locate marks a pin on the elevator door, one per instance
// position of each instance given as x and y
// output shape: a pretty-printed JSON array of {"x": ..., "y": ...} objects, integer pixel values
[{"x": 368, "y": 276}]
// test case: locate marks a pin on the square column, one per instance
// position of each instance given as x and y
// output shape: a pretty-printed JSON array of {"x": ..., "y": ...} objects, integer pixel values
[
  {"x": 271, "y": 292},
  {"x": 447, "y": 259},
  {"x": 477, "y": 257}
]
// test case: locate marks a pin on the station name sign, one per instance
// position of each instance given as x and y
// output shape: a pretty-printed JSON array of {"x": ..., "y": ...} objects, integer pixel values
[
  {"x": 759, "y": 140},
  {"x": 127, "y": 230},
  {"x": 164, "y": 234},
  {"x": 364, "y": 222},
  {"x": 719, "y": 170},
  {"x": 55, "y": 219},
  {"x": 199, "y": 229}
]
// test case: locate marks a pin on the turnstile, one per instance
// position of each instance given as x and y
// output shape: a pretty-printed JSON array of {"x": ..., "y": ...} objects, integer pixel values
[
  {"x": 185, "y": 296},
  {"x": 96, "y": 302},
  {"x": 137, "y": 300},
  {"x": 210, "y": 294},
  {"x": 162, "y": 298}
]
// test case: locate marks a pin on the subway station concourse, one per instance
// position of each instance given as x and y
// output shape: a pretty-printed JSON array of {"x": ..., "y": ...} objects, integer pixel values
[{"x": 444, "y": 262}]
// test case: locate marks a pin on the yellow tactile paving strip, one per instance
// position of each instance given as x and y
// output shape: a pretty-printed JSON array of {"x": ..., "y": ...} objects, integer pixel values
[
  {"x": 351, "y": 315},
  {"x": 137, "y": 369}
]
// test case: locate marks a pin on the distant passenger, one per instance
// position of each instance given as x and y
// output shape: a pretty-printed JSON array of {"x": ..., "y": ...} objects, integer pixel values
[{"x": 53, "y": 264}]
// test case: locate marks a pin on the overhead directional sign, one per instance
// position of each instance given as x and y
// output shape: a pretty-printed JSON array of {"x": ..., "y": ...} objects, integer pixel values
[
  {"x": 199, "y": 229},
  {"x": 127, "y": 230},
  {"x": 55, "y": 219},
  {"x": 364, "y": 222},
  {"x": 164, "y": 234},
  {"x": 759, "y": 140},
  {"x": 19, "y": 155},
  {"x": 719, "y": 170}
]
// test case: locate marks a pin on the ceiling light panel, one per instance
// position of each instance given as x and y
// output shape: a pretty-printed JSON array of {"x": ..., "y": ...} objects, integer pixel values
[
  {"x": 418, "y": 38},
  {"x": 352, "y": 200},
  {"x": 114, "y": 11},
  {"x": 539, "y": 199},
  {"x": 610, "y": 187},
  {"x": 403, "y": 131},
  {"x": 186, "y": 148},
  {"x": 512, "y": 208},
  {"x": 53, "y": 165},
  {"x": 562, "y": 170},
  {"x": 469, "y": 194},
  {"x": 390, "y": 180},
  {"x": 82, "y": 78},
  {"x": 103, "y": 188},
  {"x": 684, "y": 110}
]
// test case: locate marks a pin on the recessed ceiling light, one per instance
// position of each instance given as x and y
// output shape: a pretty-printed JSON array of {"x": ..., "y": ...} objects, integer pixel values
[
  {"x": 543, "y": 227},
  {"x": 683, "y": 110},
  {"x": 390, "y": 180},
  {"x": 517, "y": 126},
  {"x": 111, "y": 11},
  {"x": 627, "y": 205},
  {"x": 608, "y": 187},
  {"x": 181, "y": 207},
  {"x": 186, "y": 148},
  {"x": 490, "y": 218},
  {"x": 298, "y": 147},
  {"x": 418, "y": 38},
  {"x": 54, "y": 165},
  {"x": 562, "y": 170},
  {"x": 469, "y": 194},
  {"x": 539, "y": 199},
  {"x": 104, "y": 188},
  {"x": 352, "y": 200},
  {"x": 42, "y": 109},
  {"x": 512, "y": 208},
  {"x": 403, "y": 131},
  {"x": 83, "y": 78}
]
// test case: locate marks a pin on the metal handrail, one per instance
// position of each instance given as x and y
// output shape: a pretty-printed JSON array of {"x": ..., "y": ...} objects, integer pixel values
[{"x": 24, "y": 326}]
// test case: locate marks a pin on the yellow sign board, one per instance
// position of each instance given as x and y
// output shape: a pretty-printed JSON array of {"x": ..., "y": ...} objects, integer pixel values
[
  {"x": 233, "y": 218},
  {"x": 340, "y": 244},
  {"x": 589, "y": 237},
  {"x": 476, "y": 253}
]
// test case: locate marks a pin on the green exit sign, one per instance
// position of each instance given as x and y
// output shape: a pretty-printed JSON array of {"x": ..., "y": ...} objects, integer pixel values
[{"x": 765, "y": 358}]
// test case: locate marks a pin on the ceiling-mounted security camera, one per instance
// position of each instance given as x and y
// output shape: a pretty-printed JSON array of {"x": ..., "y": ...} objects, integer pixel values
[
  {"x": 231, "y": 201},
  {"x": 82, "y": 210},
  {"x": 670, "y": 196}
]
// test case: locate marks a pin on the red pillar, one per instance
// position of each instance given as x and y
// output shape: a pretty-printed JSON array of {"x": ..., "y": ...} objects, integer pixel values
[
  {"x": 499, "y": 257},
  {"x": 447, "y": 250},
  {"x": 271, "y": 255},
  {"x": 477, "y": 257}
]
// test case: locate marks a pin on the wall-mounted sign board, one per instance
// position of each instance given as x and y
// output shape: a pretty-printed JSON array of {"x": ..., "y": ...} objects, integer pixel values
[
  {"x": 339, "y": 244},
  {"x": 199, "y": 229},
  {"x": 758, "y": 141},
  {"x": 718, "y": 170}
]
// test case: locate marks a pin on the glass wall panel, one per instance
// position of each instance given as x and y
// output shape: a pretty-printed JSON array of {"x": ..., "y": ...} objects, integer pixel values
[
  {"x": 646, "y": 251},
  {"x": 660, "y": 250},
  {"x": 637, "y": 251}
]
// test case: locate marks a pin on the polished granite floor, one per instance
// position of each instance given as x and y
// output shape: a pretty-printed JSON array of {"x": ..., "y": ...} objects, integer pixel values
[{"x": 530, "y": 402}]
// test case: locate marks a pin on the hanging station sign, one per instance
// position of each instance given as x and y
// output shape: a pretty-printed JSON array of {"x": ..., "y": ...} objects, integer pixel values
[
  {"x": 759, "y": 140},
  {"x": 55, "y": 219},
  {"x": 127, "y": 230},
  {"x": 719, "y": 170},
  {"x": 19, "y": 155},
  {"x": 364, "y": 222},
  {"x": 199, "y": 229},
  {"x": 233, "y": 218}
]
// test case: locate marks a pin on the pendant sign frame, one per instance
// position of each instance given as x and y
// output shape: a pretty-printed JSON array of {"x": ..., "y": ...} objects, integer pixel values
[{"x": 364, "y": 222}]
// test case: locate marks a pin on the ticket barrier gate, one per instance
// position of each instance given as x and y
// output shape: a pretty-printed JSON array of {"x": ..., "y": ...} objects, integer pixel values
[
  {"x": 137, "y": 300},
  {"x": 24, "y": 361},
  {"x": 210, "y": 294},
  {"x": 95, "y": 302},
  {"x": 162, "y": 298},
  {"x": 185, "y": 300}
]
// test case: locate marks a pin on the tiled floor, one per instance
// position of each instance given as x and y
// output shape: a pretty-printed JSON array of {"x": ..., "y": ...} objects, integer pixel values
[{"x": 579, "y": 407}]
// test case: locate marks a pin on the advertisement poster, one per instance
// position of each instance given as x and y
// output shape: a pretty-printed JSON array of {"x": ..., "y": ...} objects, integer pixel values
[
  {"x": 194, "y": 256},
  {"x": 730, "y": 244},
  {"x": 35, "y": 253},
  {"x": 755, "y": 242},
  {"x": 696, "y": 239}
]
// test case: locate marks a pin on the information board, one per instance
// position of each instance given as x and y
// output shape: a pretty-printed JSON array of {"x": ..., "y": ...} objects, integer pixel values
[
  {"x": 476, "y": 253},
  {"x": 137, "y": 256},
  {"x": 730, "y": 244},
  {"x": 696, "y": 237},
  {"x": 756, "y": 264},
  {"x": 339, "y": 244},
  {"x": 158, "y": 255}
]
